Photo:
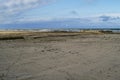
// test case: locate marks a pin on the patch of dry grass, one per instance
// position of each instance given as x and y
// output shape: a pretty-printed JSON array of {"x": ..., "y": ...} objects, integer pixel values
[{"x": 13, "y": 35}]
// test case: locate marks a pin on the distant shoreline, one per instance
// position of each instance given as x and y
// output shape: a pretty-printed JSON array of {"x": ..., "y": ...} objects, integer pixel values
[
  {"x": 63, "y": 29},
  {"x": 36, "y": 34}
]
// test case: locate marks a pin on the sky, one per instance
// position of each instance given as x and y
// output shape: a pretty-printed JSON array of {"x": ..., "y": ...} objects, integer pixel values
[{"x": 59, "y": 13}]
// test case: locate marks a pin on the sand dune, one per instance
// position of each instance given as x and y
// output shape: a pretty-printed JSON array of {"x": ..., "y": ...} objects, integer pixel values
[{"x": 78, "y": 57}]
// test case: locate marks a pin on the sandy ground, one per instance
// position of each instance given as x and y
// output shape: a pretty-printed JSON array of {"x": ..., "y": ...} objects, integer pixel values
[{"x": 81, "y": 57}]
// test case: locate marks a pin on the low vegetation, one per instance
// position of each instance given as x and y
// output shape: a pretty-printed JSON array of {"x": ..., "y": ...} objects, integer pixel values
[{"x": 13, "y": 35}]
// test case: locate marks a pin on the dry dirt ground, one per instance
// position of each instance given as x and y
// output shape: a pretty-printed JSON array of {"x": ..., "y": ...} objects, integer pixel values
[{"x": 81, "y": 57}]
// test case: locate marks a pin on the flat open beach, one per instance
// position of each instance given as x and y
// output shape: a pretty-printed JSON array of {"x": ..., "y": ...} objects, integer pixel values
[{"x": 59, "y": 56}]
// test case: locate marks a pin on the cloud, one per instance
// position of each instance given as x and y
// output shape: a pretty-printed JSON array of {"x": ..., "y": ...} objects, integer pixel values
[
  {"x": 105, "y": 18},
  {"x": 13, "y": 8},
  {"x": 109, "y": 18},
  {"x": 74, "y": 12}
]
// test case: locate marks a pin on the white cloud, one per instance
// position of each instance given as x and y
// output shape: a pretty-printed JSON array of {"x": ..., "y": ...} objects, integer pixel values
[
  {"x": 13, "y": 8},
  {"x": 108, "y": 14}
]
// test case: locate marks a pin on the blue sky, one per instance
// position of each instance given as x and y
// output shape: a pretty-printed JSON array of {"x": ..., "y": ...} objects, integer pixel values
[
  {"x": 80, "y": 13},
  {"x": 83, "y": 8}
]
